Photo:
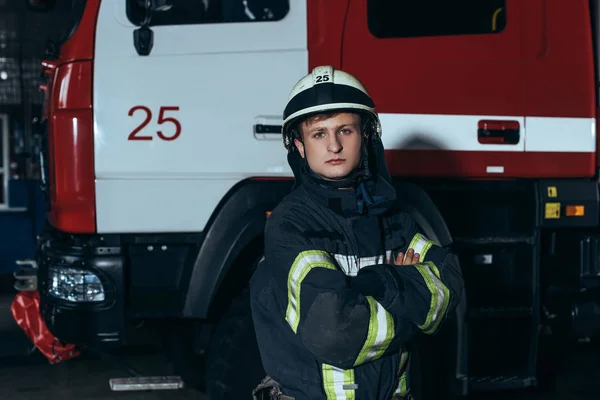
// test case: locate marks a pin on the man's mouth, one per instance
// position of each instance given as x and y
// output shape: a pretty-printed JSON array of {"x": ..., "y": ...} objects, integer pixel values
[{"x": 336, "y": 161}]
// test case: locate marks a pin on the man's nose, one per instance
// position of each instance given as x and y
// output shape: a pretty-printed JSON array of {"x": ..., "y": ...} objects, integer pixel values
[{"x": 334, "y": 145}]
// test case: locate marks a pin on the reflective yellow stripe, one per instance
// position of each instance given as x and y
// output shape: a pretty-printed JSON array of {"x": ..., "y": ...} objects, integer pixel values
[
  {"x": 420, "y": 244},
  {"x": 440, "y": 296},
  {"x": 402, "y": 388},
  {"x": 380, "y": 333},
  {"x": 302, "y": 265},
  {"x": 338, "y": 383}
]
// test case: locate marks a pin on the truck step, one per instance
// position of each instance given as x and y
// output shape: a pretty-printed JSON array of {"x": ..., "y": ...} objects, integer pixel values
[
  {"x": 491, "y": 383},
  {"x": 146, "y": 383}
]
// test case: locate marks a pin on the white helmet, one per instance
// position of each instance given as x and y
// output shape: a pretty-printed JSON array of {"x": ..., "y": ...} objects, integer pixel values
[{"x": 324, "y": 90}]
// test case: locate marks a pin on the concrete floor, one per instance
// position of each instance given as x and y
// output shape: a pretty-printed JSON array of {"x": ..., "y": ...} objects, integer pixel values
[
  {"x": 78, "y": 379},
  {"x": 30, "y": 377},
  {"x": 26, "y": 375}
]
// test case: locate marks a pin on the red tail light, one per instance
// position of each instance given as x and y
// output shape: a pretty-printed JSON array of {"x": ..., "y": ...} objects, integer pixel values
[{"x": 71, "y": 149}]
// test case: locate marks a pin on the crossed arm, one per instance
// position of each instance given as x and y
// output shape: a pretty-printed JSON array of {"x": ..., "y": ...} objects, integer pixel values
[{"x": 348, "y": 321}]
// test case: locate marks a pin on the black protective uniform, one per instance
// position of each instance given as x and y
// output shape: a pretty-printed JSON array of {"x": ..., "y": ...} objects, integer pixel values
[{"x": 332, "y": 312}]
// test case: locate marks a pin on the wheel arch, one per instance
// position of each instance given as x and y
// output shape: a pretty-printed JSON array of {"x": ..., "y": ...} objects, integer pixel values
[{"x": 235, "y": 227}]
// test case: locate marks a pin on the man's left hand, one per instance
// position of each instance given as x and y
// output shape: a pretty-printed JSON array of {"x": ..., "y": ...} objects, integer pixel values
[{"x": 411, "y": 258}]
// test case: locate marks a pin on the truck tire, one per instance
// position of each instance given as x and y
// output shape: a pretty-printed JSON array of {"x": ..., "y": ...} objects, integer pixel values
[
  {"x": 177, "y": 339},
  {"x": 234, "y": 367}
]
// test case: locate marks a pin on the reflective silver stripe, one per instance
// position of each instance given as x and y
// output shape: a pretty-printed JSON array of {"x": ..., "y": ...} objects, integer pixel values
[
  {"x": 351, "y": 264},
  {"x": 302, "y": 265},
  {"x": 420, "y": 244},
  {"x": 338, "y": 383},
  {"x": 380, "y": 333},
  {"x": 440, "y": 296}
]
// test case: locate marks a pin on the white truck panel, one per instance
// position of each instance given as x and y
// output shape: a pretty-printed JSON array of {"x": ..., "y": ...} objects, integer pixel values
[
  {"x": 459, "y": 133},
  {"x": 150, "y": 205},
  {"x": 441, "y": 132},
  {"x": 230, "y": 77}
]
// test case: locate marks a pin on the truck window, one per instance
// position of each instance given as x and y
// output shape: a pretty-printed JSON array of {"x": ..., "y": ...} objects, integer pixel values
[
  {"x": 73, "y": 17},
  {"x": 403, "y": 19},
  {"x": 185, "y": 12},
  {"x": 66, "y": 17}
]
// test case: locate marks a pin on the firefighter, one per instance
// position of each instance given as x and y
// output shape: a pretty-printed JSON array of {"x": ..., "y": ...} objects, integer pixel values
[{"x": 347, "y": 280}]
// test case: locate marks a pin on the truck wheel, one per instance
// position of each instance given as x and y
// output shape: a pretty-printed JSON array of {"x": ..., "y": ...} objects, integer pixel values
[
  {"x": 178, "y": 339},
  {"x": 234, "y": 367}
]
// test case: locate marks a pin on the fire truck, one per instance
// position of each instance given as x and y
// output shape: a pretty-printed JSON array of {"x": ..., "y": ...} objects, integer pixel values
[{"x": 164, "y": 156}]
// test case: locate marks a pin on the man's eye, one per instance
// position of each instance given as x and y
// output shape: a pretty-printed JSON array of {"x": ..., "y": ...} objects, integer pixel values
[
  {"x": 318, "y": 135},
  {"x": 346, "y": 131}
]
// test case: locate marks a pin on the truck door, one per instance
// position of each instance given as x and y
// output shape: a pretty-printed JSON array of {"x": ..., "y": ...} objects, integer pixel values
[
  {"x": 175, "y": 130},
  {"x": 448, "y": 81}
]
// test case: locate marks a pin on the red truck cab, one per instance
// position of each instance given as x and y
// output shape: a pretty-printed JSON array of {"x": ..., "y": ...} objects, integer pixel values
[{"x": 489, "y": 114}]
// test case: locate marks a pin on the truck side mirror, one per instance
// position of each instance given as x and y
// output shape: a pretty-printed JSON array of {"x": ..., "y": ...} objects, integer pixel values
[
  {"x": 143, "y": 37},
  {"x": 143, "y": 40}
]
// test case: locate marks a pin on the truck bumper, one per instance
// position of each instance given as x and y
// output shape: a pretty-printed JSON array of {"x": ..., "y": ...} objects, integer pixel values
[{"x": 72, "y": 317}]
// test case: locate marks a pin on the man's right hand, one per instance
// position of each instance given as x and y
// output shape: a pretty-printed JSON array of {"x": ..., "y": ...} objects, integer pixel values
[
  {"x": 411, "y": 258},
  {"x": 373, "y": 280}
]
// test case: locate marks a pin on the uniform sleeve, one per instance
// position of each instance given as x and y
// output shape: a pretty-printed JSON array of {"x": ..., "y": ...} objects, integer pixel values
[
  {"x": 335, "y": 322},
  {"x": 425, "y": 293}
]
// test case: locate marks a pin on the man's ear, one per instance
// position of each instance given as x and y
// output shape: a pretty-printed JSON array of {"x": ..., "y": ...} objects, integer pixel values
[{"x": 300, "y": 147}]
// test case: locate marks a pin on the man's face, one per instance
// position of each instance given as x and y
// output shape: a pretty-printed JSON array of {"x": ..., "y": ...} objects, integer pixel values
[{"x": 332, "y": 146}]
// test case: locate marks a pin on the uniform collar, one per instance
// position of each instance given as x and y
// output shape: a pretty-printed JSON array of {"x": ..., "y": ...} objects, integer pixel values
[{"x": 371, "y": 197}]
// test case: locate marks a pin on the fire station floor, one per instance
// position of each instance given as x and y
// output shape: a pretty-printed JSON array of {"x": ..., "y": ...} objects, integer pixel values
[{"x": 25, "y": 376}]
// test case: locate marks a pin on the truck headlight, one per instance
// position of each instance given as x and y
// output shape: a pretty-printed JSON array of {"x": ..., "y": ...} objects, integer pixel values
[{"x": 75, "y": 285}]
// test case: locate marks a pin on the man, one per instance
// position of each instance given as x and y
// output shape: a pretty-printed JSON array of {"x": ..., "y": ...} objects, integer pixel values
[{"x": 346, "y": 280}]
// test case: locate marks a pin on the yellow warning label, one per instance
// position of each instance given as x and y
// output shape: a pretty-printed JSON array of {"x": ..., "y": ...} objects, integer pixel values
[
  {"x": 552, "y": 191},
  {"x": 552, "y": 210}
]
